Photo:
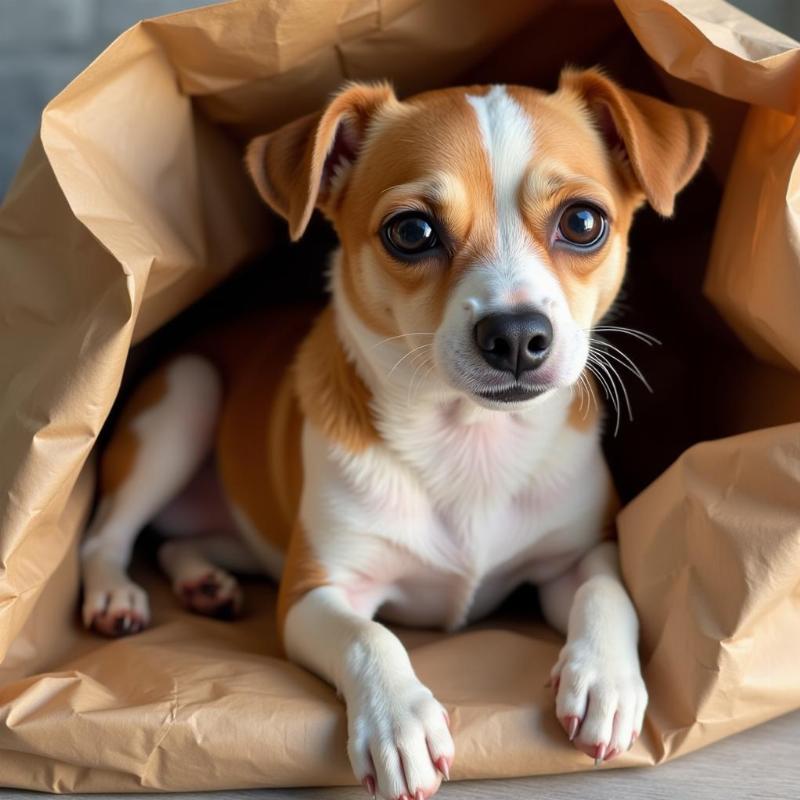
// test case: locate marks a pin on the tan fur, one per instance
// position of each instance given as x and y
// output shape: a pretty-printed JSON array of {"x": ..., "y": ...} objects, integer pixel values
[
  {"x": 258, "y": 452},
  {"x": 120, "y": 455},
  {"x": 288, "y": 169},
  {"x": 302, "y": 572},
  {"x": 332, "y": 396}
]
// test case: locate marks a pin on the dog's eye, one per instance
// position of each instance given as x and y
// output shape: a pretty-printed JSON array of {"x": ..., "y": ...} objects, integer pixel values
[
  {"x": 409, "y": 234},
  {"x": 582, "y": 225}
]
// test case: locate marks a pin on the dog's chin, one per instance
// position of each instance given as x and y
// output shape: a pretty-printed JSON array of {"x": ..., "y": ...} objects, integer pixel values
[{"x": 511, "y": 397}]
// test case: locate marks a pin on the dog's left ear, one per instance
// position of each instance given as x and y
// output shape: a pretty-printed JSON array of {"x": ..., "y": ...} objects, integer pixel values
[
  {"x": 657, "y": 146},
  {"x": 305, "y": 163}
]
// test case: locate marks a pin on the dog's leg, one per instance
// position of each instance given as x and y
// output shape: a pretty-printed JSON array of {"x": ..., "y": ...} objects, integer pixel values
[
  {"x": 398, "y": 736},
  {"x": 600, "y": 695},
  {"x": 153, "y": 453},
  {"x": 198, "y": 568}
]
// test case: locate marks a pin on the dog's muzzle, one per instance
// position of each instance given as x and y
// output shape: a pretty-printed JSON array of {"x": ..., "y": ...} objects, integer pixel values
[{"x": 514, "y": 342}]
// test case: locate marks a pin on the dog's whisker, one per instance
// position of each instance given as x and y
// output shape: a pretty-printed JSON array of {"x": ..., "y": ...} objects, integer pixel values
[
  {"x": 647, "y": 338},
  {"x": 577, "y": 387},
  {"x": 611, "y": 373},
  {"x": 626, "y": 361},
  {"x": 592, "y": 393},
  {"x": 400, "y": 336},
  {"x": 584, "y": 393},
  {"x": 603, "y": 384},
  {"x": 403, "y": 358},
  {"x": 572, "y": 395},
  {"x": 586, "y": 387},
  {"x": 421, "y": 362},
  {"x": 604, "y": 367},
  {"x": 601, "y": 341},
  {"x": 615, "y": 373},
  {"x": 600, "y": 379},
  {"x": 412, "y": 392}
]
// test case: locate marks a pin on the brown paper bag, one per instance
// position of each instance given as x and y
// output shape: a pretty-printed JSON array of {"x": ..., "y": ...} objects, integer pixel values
[{"x": 133, "y": 204}]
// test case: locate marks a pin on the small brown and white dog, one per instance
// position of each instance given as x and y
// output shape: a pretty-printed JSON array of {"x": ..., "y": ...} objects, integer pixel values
[{"x": 427, "y": 452}]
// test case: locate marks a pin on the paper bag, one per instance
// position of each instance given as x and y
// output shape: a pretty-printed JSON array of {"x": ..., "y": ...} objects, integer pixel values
[{"x": 133, "y": 203}]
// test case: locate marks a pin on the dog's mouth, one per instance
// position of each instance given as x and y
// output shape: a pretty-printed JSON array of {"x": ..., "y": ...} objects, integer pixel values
[{"x": 518, "y": 393}]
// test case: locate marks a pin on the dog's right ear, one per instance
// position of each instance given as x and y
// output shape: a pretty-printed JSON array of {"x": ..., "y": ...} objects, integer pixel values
[{"x": 306, "y": 163}]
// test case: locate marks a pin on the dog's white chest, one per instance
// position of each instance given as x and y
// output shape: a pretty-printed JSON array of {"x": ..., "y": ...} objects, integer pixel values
[{"x": 455, "y": 510}]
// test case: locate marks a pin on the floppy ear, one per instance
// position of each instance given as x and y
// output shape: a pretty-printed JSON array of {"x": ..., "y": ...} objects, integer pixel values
[
  {"x": 305, "y": 163},
  {"x": 657, "y": 146}
]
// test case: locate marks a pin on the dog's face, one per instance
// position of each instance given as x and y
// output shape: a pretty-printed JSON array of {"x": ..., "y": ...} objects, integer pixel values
[{"x": 490, "y": 222}]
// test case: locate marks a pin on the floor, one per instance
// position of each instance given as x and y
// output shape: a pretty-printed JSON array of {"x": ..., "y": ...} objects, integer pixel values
[{"x": 761, "y": 763}]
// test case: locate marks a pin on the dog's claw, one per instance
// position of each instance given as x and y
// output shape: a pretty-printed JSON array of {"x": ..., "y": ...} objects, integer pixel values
[
  {"x": 599, "y": 754},
  {"x": 369, "y": 785},
  {"x": 571, "y": 725},
  {"x": 420, "y": 795},
  {"x": 443, "y": 767},
  {"x": 124, "y": 624}
]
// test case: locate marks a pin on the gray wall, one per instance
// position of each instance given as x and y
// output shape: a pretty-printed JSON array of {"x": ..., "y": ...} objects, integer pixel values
[{"x": 45, "y": 43}]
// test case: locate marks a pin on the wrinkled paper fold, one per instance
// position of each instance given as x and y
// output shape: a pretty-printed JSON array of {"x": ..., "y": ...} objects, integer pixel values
[{"x": 133, "y": 203}]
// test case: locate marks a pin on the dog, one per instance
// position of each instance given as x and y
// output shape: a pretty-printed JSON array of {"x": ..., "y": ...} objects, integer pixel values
[{"x": 431, "y": 441}]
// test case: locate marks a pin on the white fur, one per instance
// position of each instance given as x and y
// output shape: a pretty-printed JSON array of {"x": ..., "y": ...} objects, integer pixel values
[
  {"x": 475, "y": 500},
  {"x": 397, "y": 731},
  {"x": 174, "y": 437},
  {"x": 597, "y": 674},
  {"x": 456, "y": 506}
]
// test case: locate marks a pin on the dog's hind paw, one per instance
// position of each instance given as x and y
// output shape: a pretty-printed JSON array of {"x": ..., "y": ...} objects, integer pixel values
[{"x": 214, "y": 594}]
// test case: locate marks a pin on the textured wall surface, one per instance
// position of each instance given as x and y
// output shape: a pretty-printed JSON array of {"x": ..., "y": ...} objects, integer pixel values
[{"x": 45, "y": 43}]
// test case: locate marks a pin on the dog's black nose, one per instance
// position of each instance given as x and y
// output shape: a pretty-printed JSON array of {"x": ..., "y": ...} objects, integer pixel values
[{"x": 514, "y": 342}]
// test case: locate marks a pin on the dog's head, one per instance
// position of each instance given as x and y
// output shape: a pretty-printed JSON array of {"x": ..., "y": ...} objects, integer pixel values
[{"x": 492, "y": 220}]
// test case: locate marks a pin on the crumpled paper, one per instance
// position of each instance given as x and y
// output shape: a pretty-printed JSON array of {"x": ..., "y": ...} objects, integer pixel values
[{"x": 133, "y": 203}]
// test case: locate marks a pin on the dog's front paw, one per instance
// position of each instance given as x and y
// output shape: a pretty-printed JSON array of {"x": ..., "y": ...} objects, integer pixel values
[
  {"x": 600, "y": 698},
  {"x": 399, "y": 741},
  {"x": 118, "y": 609}
]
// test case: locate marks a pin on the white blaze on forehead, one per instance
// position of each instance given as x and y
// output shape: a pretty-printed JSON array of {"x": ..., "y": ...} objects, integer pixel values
[{"x": 508, "y": 139}]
